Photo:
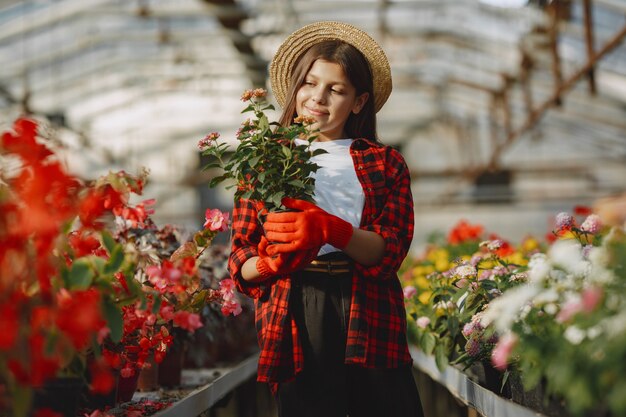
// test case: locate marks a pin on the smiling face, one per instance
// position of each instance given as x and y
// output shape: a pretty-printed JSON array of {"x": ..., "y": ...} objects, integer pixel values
[{"x": 329, "y": 97}]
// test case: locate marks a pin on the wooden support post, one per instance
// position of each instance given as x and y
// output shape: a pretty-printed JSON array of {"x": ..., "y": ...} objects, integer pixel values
[
  {"x": 534, "y": 117},
  {"x": 588, "y": 19}
]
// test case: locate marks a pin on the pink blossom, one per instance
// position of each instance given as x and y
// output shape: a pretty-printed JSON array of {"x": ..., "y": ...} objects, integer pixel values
[
  {"x": 208, "y": 140},
  {"x": 188, "y": 321},
  {"x": 465, "y": 271},
  {"x": 472, "y": 347},
  {"x": 569, "y": 310},
  {"x": 409, "y": 292},
  {"x": 167, "y": 312},
  {"x": 216, "y": 220},
  {"x": 462, "y": 283},
  {"x": 502, "y": 351},
  {"x": 592, "y": 224},
  {"x": 564, "y": 221},
  {"x": 486, "y": 274},
  {"x": 231, "y": 307},
  {"x": 423, "y": 322},
  {"x": 468, "y": 329},
  {"x": 591, "y": 297}
]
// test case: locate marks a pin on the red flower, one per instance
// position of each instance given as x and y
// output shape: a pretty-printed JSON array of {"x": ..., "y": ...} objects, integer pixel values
[
  {"x": 464, "y": 231},
  {"x": 102, "y": 379},
  {"x": 582, "y": 210},
  {"x": 9, "y": 326},
  {"x": 83, "y": 244},
  {"x": 79, "y": 315},
  {"x": 46, "y": 412},
  {"x": 96, "y": 203},
  {"x": 24, "y": 142}
]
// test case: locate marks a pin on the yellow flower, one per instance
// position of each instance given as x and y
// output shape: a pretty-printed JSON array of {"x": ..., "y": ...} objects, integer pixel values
[
  {"x": 516, "y": 258},
  {"x": 424, "y": 297},
  {"x": 422, "y": 282},
  {"x": 530, "y": 244}
]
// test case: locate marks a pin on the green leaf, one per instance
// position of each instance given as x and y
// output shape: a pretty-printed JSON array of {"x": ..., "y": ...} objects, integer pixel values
[
  {"x": 115, "y": 261},
  {"x": 81, "y": 275},
  {"x": 296, "y": 183},
  {"x": 441, "y": 358},
  {"x": 286, "y": 151},
  {"x": 156, "y": 305},
  {"x": 114, "y": 319},
  {"x": 428, "y": 342},
  {"x": 253, "y": 161},
  {"x": 109, "y": 242}
]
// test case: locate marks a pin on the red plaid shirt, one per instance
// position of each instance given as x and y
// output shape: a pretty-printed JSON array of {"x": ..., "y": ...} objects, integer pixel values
[{"x": 377, "y": 326}]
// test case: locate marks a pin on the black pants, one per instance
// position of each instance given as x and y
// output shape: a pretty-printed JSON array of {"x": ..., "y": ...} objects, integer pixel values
[{"x": 327, "y": 387}]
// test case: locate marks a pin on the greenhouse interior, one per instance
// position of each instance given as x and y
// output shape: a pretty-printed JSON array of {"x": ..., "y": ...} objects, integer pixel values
[{"x": 509, "y": 114}]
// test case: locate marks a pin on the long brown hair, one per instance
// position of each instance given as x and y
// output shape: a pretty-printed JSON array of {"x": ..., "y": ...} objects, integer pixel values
[{"x": 357, "y": 70}]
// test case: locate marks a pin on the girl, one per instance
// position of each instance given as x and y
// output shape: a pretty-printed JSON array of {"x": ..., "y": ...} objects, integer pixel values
[{"x": 330, "y": 314}]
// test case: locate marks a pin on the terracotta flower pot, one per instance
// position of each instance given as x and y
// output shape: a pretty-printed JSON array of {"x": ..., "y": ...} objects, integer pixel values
[{"x": 149, "y": 376}]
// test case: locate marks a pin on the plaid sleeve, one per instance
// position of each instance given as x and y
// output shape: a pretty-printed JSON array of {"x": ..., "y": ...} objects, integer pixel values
[
  {"x": 391, "y": 215},
  {"x": 245, "y": 236}
]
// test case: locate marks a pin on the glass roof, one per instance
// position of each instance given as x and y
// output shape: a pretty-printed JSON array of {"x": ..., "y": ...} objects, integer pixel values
[{"x": 478, "y": 85}]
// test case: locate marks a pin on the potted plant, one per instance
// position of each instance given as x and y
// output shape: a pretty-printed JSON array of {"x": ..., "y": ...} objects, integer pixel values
[{"x": 268, "y": 162}]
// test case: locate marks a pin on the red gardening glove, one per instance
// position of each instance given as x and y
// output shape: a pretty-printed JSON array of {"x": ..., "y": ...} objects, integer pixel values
[
  {"x": 283, "y": 263},
  {"x": 309, "y": 228}
]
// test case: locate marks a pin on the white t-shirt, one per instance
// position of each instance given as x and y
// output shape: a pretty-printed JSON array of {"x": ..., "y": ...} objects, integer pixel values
[{"x": 337, "y": 188}]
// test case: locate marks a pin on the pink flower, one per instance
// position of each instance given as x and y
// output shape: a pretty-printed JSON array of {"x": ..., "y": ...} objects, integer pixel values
[
  {"x": 564, "y": 221},
  {"x": 569, "y": 310},
  {"x": 208, "y": 141},
  {"x": 592, "y": 224},
  {"x": 216, "y": 220},
  {"x": 591, "y": 297},
  {"x": 465, "y": 271},
  {"x": 188, "y": 321},
  {"x": 502, "y": 351},
  {"x": 468, "y": 329},
  {"x": 231, "y": 307},
  {"x": 472, "y": 347},
  {"x": 423, "y": 322},
  {"x": 409, "y": 291}
]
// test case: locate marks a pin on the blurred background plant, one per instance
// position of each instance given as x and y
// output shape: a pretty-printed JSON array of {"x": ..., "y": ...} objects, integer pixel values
[
  {"x": 86, "y": 277},
  {"x": 566, "y": 328},
  {"x": 448, "y": 285}
]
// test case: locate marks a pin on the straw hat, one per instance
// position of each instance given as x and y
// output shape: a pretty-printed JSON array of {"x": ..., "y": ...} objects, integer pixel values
[{"x": 301, "y": 40}]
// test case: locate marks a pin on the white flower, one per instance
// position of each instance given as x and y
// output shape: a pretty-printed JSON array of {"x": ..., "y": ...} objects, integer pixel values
[
  {"x": 551, "y": 309},
  {"x": 574, "y": 335},
  {"x": 505, "y": 310},
  {"x": 465, "y": 271},
  {"x": 594, "y": 332},
  {"x": 538, "y": 268},
  {"x": 547, "y": 296},
  {"x": 568, "y": 255}
]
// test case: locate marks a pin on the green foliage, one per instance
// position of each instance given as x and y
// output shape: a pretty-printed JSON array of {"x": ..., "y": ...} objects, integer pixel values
[{"x": 267, "y": 164}]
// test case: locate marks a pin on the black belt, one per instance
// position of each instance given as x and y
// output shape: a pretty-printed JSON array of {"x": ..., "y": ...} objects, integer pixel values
[{"x": 331, "y": 267}]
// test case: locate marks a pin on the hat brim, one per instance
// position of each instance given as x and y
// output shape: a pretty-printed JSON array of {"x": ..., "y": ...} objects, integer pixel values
[{"x": 301, "y": 40}]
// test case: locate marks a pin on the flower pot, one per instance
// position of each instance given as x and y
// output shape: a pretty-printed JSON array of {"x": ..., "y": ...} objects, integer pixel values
[
  {"x": 149, "y": 376},
  {"x": 171, "y": 369},
  {"x": 126, "y": 387},
  {"x": 61, "y": 395}
]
